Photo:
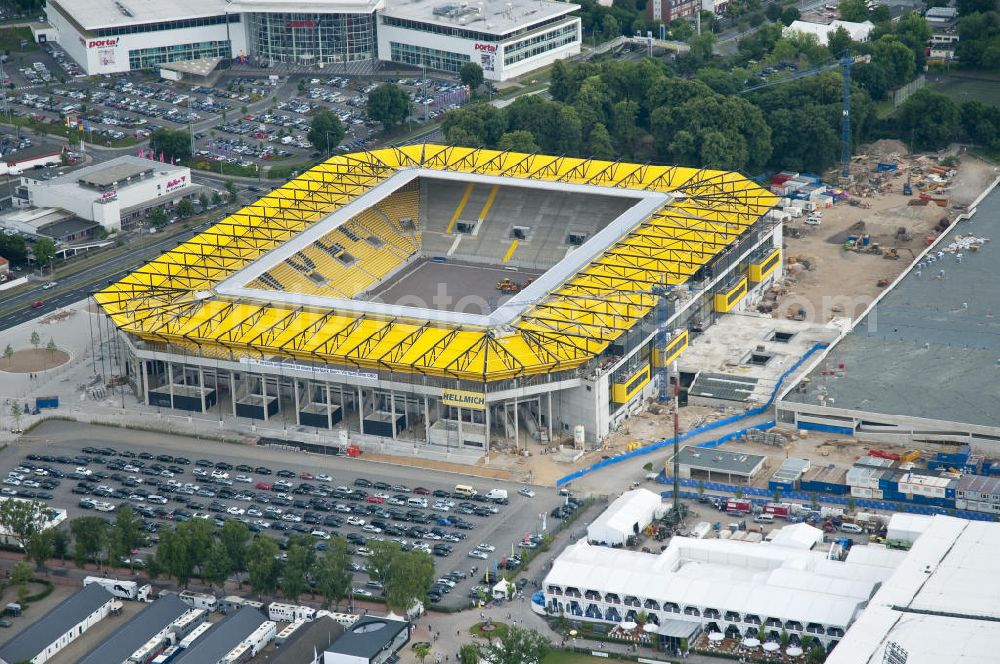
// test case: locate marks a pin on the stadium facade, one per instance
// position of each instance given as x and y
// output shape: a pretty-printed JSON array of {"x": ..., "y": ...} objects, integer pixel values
[
  {"x": 506, "y": 39},
  {"x": 445, "y": 295}
]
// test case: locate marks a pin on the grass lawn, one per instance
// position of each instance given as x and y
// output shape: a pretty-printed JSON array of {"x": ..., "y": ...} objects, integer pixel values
[
  {"x": 965, "y": 86},
  {"x": 563, "y": 657},
  {"x": 10, "y": 40}
]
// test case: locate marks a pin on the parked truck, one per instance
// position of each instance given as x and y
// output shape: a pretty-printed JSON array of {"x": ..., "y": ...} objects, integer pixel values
[
  {"x": 778, "y": 510},
  {"x": 497, "y": 496},
  {"x": 130, "y": 590},
  {"x": 738, "y": 506}
]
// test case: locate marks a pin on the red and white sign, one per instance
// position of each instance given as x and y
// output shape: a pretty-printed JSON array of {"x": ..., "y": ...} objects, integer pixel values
[
  {"x": 488, "y": 48},
  {"x": 109, "y": 196},
  {"x": 103, "y": 43},
  {"x": 177, "y": 183}
]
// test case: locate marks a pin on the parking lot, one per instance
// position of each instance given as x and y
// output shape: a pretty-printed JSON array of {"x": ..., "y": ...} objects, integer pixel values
[
  {"x": 241, "y": 120},
  {"x": 170, "y": 478}
]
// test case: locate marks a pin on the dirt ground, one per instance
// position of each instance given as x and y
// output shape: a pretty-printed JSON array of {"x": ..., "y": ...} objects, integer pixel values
[
  {"x": 826, "y": 281},
  {"x": 33, "y": 359}
]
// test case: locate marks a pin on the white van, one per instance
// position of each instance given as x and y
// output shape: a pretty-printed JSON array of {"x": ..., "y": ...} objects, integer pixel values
[
  {"x": 497, "y": 495},
  {"x": 416, "y": 501},
  {"x": 851, "y": 528},
  {"x": 465, "y": 490},
  {"x": 763, "y": 518}
]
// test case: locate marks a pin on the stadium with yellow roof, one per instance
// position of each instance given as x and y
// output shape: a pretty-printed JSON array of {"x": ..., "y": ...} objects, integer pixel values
[{"x": 448, "y": 296}]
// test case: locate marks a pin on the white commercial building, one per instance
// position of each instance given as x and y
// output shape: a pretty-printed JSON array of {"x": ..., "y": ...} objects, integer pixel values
[
  {"x": 507, "y": 39},
  {"x": 720, "y": 585},
  {"x": 110, "y": 36},
  {"x": 628, "y": 515},
  {"x": 859, "y": 32},
  {"x": 113, "y": 193},
  {"x": 939, "y": 605}
]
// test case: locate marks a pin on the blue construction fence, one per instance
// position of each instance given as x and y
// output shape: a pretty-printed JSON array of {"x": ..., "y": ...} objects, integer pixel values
[
  {"x": 762, "y": 496},
  {"x": 697, "y": 431}
]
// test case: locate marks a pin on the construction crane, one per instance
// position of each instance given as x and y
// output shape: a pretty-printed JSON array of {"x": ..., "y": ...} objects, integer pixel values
[{"x": 845, "y": 61}]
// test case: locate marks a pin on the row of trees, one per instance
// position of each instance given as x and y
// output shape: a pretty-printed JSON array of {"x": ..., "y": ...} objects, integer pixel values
[
  {"x": 691, "y": 112},
  {"x": 199, "y": 549}
]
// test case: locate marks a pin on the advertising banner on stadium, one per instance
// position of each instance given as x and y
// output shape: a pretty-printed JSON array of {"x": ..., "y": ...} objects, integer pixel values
[{"x": 463, "y": 399}]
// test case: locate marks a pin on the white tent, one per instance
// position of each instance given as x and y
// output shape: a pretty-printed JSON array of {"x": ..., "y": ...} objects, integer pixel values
[
  {"x": 858, "y": 31},
  {"x": 503, "y": 589},
  {"x": 626, "y": 516},
  {"x": 797, "y": 536}
]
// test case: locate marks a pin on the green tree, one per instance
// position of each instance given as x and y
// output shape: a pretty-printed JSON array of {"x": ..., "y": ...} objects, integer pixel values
[
  {"x": 331, "y": 573},
  {"x": 388, "y": 104},
  {"x": 326, "y": 131},
  {"x": 22, "y": 520},
  {"x": 929, "y": 120},
  {"x": 185, "y": 208},
  {"x": 301, "y": 557},
  {"x": 471, "y": 74},
  {"x": 518, "y": 141},
  {"x": 51, "y": 346},
  {"x": 853, "y": 10},
  {"x": 790, "y": 14},
  {"x": 839, "y": 41},
  {"x": 172, "y": 556},
  {"x": 600, "y": 143},
  {"x": 89, "y": 536},
  {"x": 263, "y": 566},
  {"x": 39, "y": 548},
  {"x": 235, "y": 537},
  {"x": 967, "y": 7},
  {"x": 624, "y": 124},
  {"x": 469, "y": 654},
  {"x": 35, "y": 339},
  {"x": 44, "y": 251},
  {"x": 410, "y": 577},
  {"x": 231, "y": 190},
  {"x": 13, "y": 248},
  {"x": 217, "y": 567},
  {"x": 158, "y": 217},
  {"x": 216, "y": 198},
  {"x": 60, "y": 543},
  {"x": 19, "y": 578},
  {"x": 172, "y": 143},
  {"x": 421, "y": 650},
  {"x": 516, "y": 645},
  {"x": 128, "y": 532},
  {"x": 981, "y": 123},
  {"x": 8, "y": 354},
  {"x": 380, "y": 561}
]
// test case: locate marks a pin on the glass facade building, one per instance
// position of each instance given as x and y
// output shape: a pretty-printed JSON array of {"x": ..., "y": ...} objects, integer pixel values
[
  {"x": 307, "y": 39},
  {"x": 145, "y": 58},
  {"x": 432, "y": 58}
]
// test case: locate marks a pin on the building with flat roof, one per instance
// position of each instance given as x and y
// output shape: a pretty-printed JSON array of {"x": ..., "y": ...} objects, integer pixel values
[
  {"x": 246, "y": 627},
  {"x": 371, "y": 640},
  {"x": 717, "y": 465},
  {"x": 115, "y": 194},
  {"x": 42, "y": 639},
  {"x": 146, "y": 631},
  {"x": 109, "y": 36},
  {"x": 506, "y": 39},
  {"x": 938, "y": 605},
  {"x": 308, "y": 643},
  {"x": 921, "y": 364}
]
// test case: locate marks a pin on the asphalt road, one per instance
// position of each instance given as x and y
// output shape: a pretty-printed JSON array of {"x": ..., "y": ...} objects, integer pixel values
[
  {"x": 502, "y": 530},
  {"x": 17, "y": 309}
]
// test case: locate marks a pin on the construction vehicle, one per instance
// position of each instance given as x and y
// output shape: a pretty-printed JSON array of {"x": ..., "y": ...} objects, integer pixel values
[
  {"x": 505, "y": 285},
  {"x": 907, "y": 188},
  {"x": 891, "y": 254}
]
